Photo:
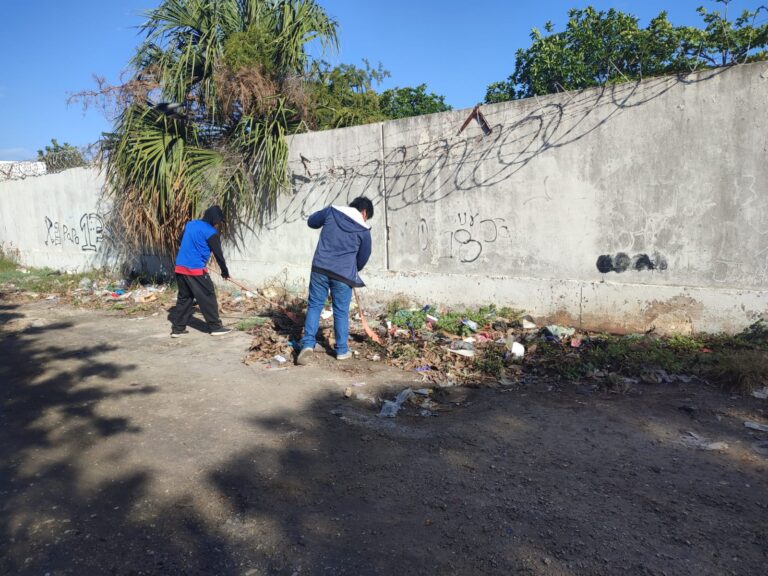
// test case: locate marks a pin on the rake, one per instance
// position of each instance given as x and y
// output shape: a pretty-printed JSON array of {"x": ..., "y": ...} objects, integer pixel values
[{"x": 292, "y": 316}]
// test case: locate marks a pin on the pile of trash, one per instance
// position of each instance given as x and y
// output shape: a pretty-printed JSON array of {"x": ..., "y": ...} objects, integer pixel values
[
  {"x": 117, "y": 291},
  {"x": 502, "y": 347},
  {"x": 269, "y": 346},
  {"x": 452, "y": 348},
  {"x": 273, "y": 317}
]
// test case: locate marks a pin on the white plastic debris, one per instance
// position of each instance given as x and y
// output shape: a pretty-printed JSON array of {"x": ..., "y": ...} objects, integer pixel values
[{"x": 390, "y": 409}]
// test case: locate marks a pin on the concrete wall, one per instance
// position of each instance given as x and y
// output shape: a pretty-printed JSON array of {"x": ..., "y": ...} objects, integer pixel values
[
  {"x": 621, "y": 208},
  {"x": 55, "y": 220}
]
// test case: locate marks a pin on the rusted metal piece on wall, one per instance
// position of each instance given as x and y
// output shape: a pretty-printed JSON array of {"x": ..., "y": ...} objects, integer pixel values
[{"x": 477, "y": 115}]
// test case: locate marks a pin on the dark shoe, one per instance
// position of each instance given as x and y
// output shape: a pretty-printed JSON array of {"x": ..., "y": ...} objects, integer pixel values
[
  {"x": 305, "y": 356},
  {"x": 220, "y": 331},
  {"x": 179, "y": 333}
]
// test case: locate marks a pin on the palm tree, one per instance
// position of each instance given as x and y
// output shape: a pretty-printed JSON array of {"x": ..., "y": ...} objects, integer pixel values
[{"x": 217, "y": 86}]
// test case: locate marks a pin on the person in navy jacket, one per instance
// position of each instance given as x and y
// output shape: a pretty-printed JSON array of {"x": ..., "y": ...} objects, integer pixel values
[
  {"x": 342, "y": 251},
  {"x": 200, "y": 239}
]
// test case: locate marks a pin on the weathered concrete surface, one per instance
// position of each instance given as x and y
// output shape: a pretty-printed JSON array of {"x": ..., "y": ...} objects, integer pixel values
[
  {"x": 55, "y": 220},
  {"x": 125, "y": 452},
  {"x": 595, "y": 206}
]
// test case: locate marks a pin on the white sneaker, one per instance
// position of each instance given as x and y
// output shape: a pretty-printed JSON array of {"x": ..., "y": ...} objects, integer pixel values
[
  {"x": 221, "y": 331},
  {"x": 305, "y": 356},
  {"x": 346, "y": 356}
]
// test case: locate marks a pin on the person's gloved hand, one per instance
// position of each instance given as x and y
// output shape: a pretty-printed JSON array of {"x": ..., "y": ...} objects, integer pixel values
[{"x": 225, "y": 273}]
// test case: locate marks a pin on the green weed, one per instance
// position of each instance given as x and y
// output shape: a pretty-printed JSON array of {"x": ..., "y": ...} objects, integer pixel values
[{"x": 248, "y": 323}]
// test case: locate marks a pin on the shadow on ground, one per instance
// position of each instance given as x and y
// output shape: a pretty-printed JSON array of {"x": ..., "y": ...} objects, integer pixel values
[{"x": 523, "y": 482}]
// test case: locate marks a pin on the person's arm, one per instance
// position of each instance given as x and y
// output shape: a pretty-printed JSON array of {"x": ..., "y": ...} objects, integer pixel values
[
  {"x": 364, "y": 251},
  {"x": 214, "y": 243},
  {"x": 317, "y": 219}
]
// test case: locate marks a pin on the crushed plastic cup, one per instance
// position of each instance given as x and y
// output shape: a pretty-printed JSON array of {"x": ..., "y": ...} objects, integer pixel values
[{"x": 471, "y": 324}]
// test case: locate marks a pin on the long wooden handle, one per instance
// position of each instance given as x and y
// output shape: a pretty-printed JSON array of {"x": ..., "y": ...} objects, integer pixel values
[{"x": 291, "y": 315}]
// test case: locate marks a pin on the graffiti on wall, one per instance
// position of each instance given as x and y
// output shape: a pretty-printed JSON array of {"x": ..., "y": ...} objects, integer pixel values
[
  {"x": 622, "y": 262},
  {"x": 88, "y": 233},
  {"x": 467, "y": 238}
]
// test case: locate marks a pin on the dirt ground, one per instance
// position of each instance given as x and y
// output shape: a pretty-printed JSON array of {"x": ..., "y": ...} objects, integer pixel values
[{"x": 123, "y": 451}]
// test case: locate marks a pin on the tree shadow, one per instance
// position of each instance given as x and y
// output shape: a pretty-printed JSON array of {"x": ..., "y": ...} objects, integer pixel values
[
  {"x": 516, "y": 484},
  {"x": 527, "y": 481}
]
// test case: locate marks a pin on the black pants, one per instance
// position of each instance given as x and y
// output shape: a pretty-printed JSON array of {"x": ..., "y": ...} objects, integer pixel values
[{"x": 193, "y": 288}]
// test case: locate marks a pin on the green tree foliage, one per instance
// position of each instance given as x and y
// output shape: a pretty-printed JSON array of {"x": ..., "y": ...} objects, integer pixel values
[
  {"x": 603, "y": 47},
  {"x": 216, "y": 88},
  {"x": 58, "y": 157},
  {"x": 344, "y": 95},
  {"x": 406, "y": 102}
]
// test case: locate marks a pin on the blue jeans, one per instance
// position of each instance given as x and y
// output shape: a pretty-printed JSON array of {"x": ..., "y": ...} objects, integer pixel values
[{"x": 341, "y": 295}]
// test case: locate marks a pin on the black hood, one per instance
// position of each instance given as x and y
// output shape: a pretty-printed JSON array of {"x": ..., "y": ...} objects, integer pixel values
[{"x": 213, "y": 215}]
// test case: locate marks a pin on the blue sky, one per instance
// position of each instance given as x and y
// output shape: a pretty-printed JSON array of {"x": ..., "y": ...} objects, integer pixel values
[{"x": 51, "y": 48}]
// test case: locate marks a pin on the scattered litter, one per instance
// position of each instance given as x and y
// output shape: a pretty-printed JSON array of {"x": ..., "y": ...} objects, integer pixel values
[
  {"x": 325, "y": 314},
  {"x": 376, "y": 357},
  {"x": 693, "y": 440},
  {"x": 560, "y": 331},
  {"x": 549, "y": 336},
  {"x": 425, "y": 368},
  {"x": 462, "y": 345},
  {"x": 576, "y": 342},
  {"x": 515, "y": 348},
  {"x": 465, "y": 353},
  {"x": 422, "y": 391},
  {"x": 471, "y": 324},
  {"x": 756, "y": 426},
  {"x": 762, "y": 393},
  {"x": 527, "y": 323},
  {"x": 761, "y": 448},
  {"x": 428, "y": 404},
  {"x": 390, "y": 409},
  {"x": 85, "y": 284}
]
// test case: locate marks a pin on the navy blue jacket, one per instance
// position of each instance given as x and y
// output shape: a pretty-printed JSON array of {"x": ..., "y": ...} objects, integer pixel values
[{"x": 344, "y": 246}]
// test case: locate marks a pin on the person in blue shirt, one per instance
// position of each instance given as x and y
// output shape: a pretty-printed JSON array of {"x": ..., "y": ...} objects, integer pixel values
[
  {"x": 342, "y": 251},
  {"x": 200, "y": 240}
]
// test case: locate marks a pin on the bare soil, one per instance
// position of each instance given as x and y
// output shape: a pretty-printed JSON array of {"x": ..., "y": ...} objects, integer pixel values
[{"x": 123, "y": 451}]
